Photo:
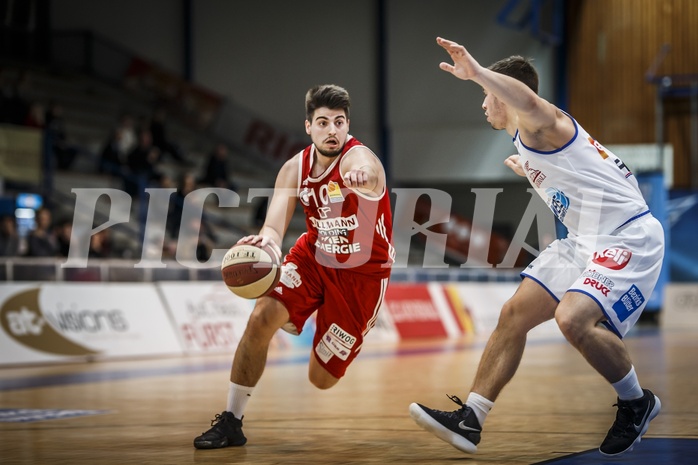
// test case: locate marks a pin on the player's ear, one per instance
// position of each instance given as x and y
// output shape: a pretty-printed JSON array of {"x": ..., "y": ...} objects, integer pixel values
[{"x": 307, "y": 127}]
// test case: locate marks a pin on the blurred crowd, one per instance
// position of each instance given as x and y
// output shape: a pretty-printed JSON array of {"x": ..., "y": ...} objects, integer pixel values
[
  {"x": 48, "y": 238},
  {"x": 135, "y": 153}
]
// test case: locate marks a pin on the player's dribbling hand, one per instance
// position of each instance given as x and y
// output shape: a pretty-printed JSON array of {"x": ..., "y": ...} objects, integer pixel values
[
  {"x": 513, "y": 162},
  {"x": 464, "y": 65},
  {"x": 261, "y": 241}
]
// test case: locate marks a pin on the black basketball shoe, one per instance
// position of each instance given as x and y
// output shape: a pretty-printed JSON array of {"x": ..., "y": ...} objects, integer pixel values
[
  {"x": 459, "y": 428},
  {"x": 226, "y": 430},
  {"x": 632, "y": 420}
]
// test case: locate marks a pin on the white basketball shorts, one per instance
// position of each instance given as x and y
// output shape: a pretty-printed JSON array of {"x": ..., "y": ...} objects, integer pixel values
[{"x": 618, "y": 270}]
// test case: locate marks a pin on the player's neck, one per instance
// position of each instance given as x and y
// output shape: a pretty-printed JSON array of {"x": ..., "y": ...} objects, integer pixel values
[{"x": 321, "y": 163}]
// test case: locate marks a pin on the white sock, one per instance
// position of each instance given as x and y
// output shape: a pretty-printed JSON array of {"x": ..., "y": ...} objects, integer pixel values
[
  {"x": 237, "y": 399},
  {"x": 480, "y": 406},
  {"x": 628, "y": 388}
]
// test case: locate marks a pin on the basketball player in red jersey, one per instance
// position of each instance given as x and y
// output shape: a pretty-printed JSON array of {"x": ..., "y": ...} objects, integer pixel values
[{"x": 341, "y": 185}]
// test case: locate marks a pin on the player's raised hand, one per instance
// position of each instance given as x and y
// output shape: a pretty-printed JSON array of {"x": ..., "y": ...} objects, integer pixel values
[{"x": 464, "y": 65}]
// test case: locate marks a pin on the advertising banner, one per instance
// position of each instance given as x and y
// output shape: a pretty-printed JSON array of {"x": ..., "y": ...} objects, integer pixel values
[
  {"x": 423, "y": 310},
  {"x": 207, "y": 316},
  {"x": 65, "y": 321},
  {"x": 680, "y": 309}
]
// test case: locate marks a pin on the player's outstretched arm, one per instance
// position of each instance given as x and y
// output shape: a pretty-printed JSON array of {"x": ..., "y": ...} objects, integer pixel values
[
  {"x": 536, "y": 116},
  {"x": 507, "y": 89},
  {"x": 363, "y": 171}
]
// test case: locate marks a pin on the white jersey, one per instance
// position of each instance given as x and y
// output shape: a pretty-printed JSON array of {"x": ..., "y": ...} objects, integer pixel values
[{"x": 587, "y": 187}]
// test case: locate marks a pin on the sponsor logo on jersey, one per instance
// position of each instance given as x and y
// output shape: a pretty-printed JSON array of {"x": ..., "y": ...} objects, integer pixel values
[
  {"x": 598, "y": 285},
  {"x": 336, "y": 348},
  {"x": 321, "y": 195},
  {"x": 348, "y": 223},
  {"x": 334, "y": 192},
  {"x": 602, "y": 151},
  {"x": 600, "y": 148},
  {"x": 628, "y": 303},
  {"x": 621, "y": 166},
  {"x": 289, "y": 276},
  {"x": 558, "y": 202},
  {"x": 346, "y": 338},
  {"x": 304, "y": 196},
  {"x": 337, "y": 245},
  {"x": 339, "y": 341},
  {"x": 323, "y": 352},
  {"x": 536, "y": 176},
  {"x": 613, "y": 259},
  {"x": 598, "y": 281},
  {"x": 333, "y": 234}
]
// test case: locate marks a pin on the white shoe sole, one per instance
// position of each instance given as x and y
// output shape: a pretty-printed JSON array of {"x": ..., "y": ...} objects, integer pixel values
[{"x": 424, "y": 420}]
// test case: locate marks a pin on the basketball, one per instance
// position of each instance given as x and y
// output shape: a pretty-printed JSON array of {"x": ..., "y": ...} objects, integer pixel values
[{"x": 250, "y": 271}]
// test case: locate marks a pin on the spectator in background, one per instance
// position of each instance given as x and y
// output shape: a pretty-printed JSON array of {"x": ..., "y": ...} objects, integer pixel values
[
  {"x": 100, "y": 245},
  {"x": 121, "y": 141},
  {"x": 63, "y": 152},
  {"x": 9, "y": 239},
  {"x": 186, "y": 185},
  {"x": 160, "y": 139},
  {"x": 195, "y": 240},
  {"x": 127, "y": 130},
  {"x": 64, "y": 230},
  {"x": 42, "y": 241},
  {"x": 186, "y": 242},
  {"x": 143, "y": 163},
  {"x": 216, "y": 173},
  {"x": 112, "y": 160}
]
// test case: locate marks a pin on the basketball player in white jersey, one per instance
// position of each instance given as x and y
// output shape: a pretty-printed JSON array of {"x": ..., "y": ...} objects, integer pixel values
[{"x": 595, "y": 282}]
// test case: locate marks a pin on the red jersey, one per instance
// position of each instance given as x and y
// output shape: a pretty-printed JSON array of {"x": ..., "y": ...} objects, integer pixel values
[{"x": 347, "y": 228}]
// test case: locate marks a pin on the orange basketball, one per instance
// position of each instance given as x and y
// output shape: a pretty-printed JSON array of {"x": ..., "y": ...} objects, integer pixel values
[{"x": 250, "y": 271}]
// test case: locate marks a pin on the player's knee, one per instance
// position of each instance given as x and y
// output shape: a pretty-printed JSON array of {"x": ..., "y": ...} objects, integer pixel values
[
  {"x": 570, "y": 326},
  {"x": 319, "y": 376},
  {"x": 513, "y": 318},
  {"x": 322, "y": 382},
  {"x": 508, "y": 313},
  {"x": 264, "y": 319}
]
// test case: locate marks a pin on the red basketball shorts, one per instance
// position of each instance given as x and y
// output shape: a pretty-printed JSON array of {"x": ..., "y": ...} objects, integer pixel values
[{"x": 347, "y": 304}]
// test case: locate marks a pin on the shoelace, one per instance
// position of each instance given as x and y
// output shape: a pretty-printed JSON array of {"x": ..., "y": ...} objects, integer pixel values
[
  {"x": 457, "y": 413},
  {"x": 624, "y": 420},
  {"x": 218, "y": 419}
]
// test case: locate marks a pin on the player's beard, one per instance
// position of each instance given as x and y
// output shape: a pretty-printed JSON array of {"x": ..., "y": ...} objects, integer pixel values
[{"x": 330, "y": 153}]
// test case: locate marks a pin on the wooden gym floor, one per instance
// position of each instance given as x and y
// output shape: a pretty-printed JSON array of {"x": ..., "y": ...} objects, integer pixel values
[{"x": 148, "y": 411}]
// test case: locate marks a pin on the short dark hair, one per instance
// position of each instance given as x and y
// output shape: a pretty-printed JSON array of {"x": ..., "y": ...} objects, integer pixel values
[
  {"x": 519, "y": 68},
  {"x": 329, "y": 96}
]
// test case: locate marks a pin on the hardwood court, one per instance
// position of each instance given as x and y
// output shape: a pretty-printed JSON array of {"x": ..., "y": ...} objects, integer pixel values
[{"x": 554, "y": 407}]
